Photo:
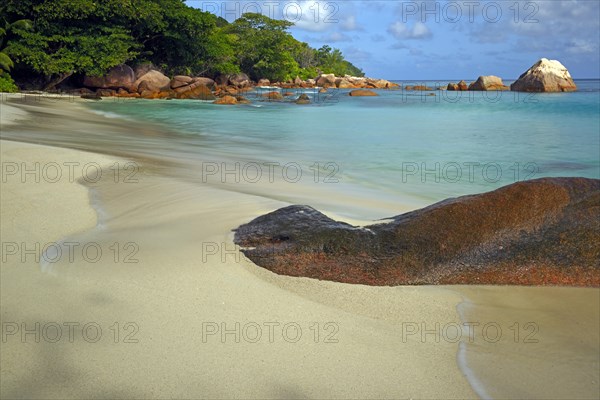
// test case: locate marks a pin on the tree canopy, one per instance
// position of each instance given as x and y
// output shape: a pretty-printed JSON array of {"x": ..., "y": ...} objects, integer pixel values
[{"x": 88, "y": 37}]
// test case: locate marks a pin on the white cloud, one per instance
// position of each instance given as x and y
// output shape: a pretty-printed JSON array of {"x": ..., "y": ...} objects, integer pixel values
[
  {"x": 402, "y": 31},
  {"x": 350, "y": 24},
  {"x": 582, "y": 46}
]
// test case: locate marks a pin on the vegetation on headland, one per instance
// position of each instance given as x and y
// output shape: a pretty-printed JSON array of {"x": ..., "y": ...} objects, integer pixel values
[{"x": 65, "y": 38}]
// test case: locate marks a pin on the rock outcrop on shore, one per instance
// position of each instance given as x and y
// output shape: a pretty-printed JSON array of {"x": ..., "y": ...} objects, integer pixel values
[
  {"x": 539, "y": 232},
  {"x": 152, "y": 84},
  {"x": 545, "y": 76},
  {"x": 152, "y": 81},
  {"x": 121, "y": 76}
]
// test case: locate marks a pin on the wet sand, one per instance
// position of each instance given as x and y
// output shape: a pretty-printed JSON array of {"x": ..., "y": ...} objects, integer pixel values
[
  {"x": 183, "y": 314},
  {"x": 539, "y": 343}
]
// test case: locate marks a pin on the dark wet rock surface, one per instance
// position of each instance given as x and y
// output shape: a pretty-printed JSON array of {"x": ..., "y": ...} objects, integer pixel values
[{"x": 539, "y": 232}]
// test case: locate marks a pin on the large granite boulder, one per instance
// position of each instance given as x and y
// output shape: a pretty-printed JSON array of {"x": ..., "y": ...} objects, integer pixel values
[
  {"x": 545, "y": 76},
  {"x": 239, "y": 80},
  {"x": 143, "y": 68},
  {"x": 378, "y": 83},
  {"x": 180, "y": 81},
  {"x": 326, "y": 80},
  {"x": 209, "y": 83},
  {"x": 490, "y": 82},
  {"x": 539, "y": 232},
  {"x": 344, "y": 83},
  {"x": 195, "y": 91},
  {"x": 153, "y": 81},
  {"x": 121, "y": 76}
]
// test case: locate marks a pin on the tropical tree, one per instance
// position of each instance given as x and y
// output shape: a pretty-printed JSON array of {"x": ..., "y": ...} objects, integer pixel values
[
  {"x": 263, "y": 47},
  {"x": 7, "y": 30}
]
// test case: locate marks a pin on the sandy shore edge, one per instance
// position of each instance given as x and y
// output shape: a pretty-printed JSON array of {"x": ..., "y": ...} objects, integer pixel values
[
  {"x": 352, "y": 343},
  {"x": 378, "y": 353}
]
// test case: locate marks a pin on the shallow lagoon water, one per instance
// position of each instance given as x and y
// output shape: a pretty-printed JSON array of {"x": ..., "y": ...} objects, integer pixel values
[{"x": 409, "y": 147}]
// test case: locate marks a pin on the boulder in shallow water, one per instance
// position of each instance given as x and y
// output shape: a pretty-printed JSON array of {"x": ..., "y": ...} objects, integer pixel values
[
  {"x": 362, "y": 93},
  {"x": 303, "y": 99},
  {"x": 273, "y": 96},
  {"x": 196, "y": 91},
  {"x": 226, "y": 100},
  {"x": 545, "y": 76},
  {"x": 539, "y": 232},
  {"x": 488, "y": 83}
]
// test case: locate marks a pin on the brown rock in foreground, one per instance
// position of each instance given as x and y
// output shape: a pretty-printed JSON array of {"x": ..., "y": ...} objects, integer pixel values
[{"x": 539, "y": 232}]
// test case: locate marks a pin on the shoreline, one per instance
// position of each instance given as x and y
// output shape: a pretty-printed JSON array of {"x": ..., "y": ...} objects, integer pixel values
[
  {"x": 230, "y": 292},
  {"x": 370, "y": 320}
]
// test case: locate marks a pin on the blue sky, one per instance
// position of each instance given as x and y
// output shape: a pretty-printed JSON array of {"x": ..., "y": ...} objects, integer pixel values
[{"x": 445, "y": 39}]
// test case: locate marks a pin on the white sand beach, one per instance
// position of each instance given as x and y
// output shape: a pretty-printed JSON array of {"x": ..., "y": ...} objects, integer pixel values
[{"x": 183, "y": 314}]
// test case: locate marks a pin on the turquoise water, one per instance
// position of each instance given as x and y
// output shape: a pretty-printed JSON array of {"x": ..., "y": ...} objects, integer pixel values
[{"x": 400, "y": 145}]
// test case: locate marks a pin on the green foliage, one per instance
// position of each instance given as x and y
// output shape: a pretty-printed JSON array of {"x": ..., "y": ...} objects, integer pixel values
[
  {"x": 265, "y": 49},
  {"x": 88, "y": 37},
  {"x": 7, "y": 84},
  {"x": 331, "y": 61},
  {"x": 262, "y": 47},
  {"x": 7, "y": 30},
  {"x": 74, "y": 51}
]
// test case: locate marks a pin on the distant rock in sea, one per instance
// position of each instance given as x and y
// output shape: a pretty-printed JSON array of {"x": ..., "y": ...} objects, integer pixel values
[
  {"x": 460, "y": 86},
  {"x": 486, "y": 83},
  {"x": 538, "y": 232},
  {"x": 362, "y": 93},
  {"x": 545, "y": 76}
]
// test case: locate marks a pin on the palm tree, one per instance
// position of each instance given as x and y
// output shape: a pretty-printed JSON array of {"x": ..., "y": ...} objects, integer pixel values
[{"x": 6, "y": 63}]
